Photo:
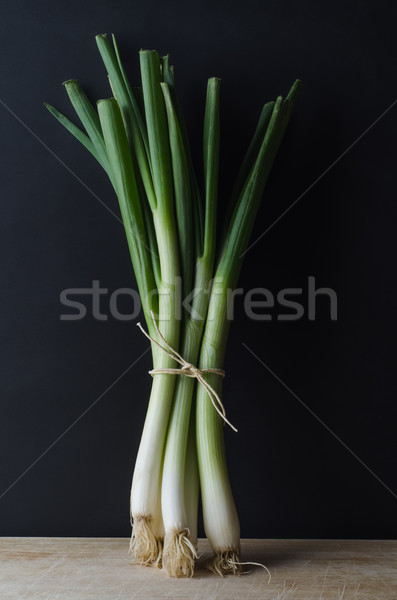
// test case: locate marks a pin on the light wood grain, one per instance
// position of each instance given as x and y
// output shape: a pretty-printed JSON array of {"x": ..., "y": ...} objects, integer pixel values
[{"x": 92, "y": 568}]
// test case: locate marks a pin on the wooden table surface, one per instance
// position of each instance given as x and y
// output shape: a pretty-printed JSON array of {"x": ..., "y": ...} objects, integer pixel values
[{"x": 99, "y": 568}]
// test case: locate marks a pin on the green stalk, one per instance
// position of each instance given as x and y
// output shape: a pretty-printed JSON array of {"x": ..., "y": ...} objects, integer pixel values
[
  {"x": 175, "y": 509},
  {"x": 120, "y": 162},
  {"x": 247, "y": 164},
  {"x": 78, "y": 134},
  {"x": 145, "y": 260},
  {"x": 220, "y": 514},
  {"x": 135, "y": 127},
  {"x": 135, "y": 154},
  {"x": 139, "y": 144},
  {"x": 163, "y": 213},
  {"x": 89, "y": 117},
  {"x": 146, "y": 485},
  {"x": 182, "y": 191},
  {"x": 168, "y": 74}
]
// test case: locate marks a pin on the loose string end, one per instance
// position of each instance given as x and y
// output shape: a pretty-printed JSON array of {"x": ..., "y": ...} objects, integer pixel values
[{"x": 255, "y": 564}]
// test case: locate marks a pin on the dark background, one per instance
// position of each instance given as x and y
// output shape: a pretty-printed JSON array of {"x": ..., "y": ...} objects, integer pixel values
[{"x": 291, "y": 476}]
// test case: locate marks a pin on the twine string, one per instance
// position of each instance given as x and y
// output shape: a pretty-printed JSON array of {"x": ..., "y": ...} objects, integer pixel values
[
  {"x": 188, "y": 370},
  {"x": 233, "y": 562}
]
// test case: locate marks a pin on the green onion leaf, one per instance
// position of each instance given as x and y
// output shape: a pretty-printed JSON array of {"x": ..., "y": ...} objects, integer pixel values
[
  {"x": 76, "y": 132},
  {"x": 157, "y": 126},
  {"x": 182, "y": 191},
  {"x": 88, "y": 117},
  {"x": 211, "y": 164},
  {"x": 121, "y": 163},
  {"x": 123, "y": 97},
  {"x": 248, "y": 202}
]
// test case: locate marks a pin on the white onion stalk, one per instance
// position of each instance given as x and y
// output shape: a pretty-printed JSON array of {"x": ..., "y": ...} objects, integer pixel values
[
  {"x": 147, "y": 523},
  {"x": 192, "y": 479},
  {"x": 179, "y": 547},
  {"x": 179, "y": 497},
  {"x": 220, "y": 516},
  {"x": 180, "y": 489},
  {"x": 146, "y": 485},
  {"x": 221, "y": 521}
]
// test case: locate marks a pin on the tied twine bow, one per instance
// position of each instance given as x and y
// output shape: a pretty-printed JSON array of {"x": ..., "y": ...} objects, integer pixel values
[{"x": 188, "y": 370}]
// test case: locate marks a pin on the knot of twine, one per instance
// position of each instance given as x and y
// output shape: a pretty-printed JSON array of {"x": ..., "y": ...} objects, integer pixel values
[{"x": 188, "y": 370}]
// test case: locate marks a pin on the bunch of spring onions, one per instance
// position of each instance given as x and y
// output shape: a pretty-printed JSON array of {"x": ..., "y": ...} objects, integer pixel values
[{"x": 169, "y": 213}]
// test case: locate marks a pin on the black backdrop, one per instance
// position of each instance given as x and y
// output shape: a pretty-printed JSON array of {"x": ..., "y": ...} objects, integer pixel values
[{"x": 292, "y": 477}]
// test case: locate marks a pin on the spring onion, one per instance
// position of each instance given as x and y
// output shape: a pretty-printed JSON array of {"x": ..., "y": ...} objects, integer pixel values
[{"x": 140, "y": 139}]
